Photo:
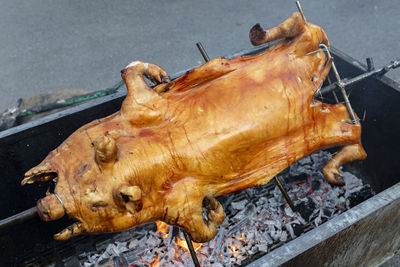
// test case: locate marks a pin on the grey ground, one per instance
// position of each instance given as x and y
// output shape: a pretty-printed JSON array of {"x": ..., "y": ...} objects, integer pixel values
[
  {"x": 51, "y": 45},
  {"x": 48, "y": 45}
]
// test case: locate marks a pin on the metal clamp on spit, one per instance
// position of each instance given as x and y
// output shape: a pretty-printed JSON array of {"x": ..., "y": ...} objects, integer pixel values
[{"x": 342, "y": 84}]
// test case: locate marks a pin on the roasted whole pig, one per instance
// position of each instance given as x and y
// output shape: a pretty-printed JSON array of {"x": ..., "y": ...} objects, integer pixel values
[{"x": 224, "y": 126}]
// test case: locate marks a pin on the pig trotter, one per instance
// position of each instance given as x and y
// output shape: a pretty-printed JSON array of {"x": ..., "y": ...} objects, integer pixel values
[
  {"x": 257, "y": 35},
  {"x": 215, "y": 212},
  {"x": 71, "y": 231},
  {"x": 291, "y": 27},
  {"x": 202, "y": 231},
  {"x": 136, "y": 106},
  {"x": 347, "y": 154}
]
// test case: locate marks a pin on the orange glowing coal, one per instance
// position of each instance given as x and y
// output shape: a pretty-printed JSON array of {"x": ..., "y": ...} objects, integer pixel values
[
  {"x": 182, "y": 243},
  {"x": 162, "y": 227},
  {"x": 156, "y": 262},
  {"x": 234, "y": 250},
  {"x": 242, "y": 238}
]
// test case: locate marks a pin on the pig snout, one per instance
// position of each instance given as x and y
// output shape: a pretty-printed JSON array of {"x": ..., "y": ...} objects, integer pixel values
[{"x": 50, "y": 208}]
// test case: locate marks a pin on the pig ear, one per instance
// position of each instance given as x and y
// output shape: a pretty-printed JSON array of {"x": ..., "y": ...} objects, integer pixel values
[
  {"x": 130, "y": 197},
  {"x": 106, "y": 149}
]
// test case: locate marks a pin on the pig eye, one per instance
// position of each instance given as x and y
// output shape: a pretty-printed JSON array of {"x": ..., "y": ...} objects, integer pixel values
[
  {"x": 82, "y": 169},
  {"x": 99, "y": 205}
]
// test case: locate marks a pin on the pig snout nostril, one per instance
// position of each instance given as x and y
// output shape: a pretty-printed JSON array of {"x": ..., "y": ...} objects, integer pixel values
[{"x": 50, "y": 208}]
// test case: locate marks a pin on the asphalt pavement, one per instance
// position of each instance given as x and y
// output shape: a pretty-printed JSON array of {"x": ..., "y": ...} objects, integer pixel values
[{"x": 51, "y": 45}]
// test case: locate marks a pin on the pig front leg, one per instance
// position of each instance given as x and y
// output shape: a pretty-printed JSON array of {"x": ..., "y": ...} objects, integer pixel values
[
  {"x": 201, "y": 230},
  {"x": 184, "y": 208},
  {"x": 347, "y": 154},
  {"x": 142, "y": 105}
]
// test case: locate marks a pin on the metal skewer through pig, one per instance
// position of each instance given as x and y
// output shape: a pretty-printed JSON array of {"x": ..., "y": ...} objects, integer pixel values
[{"x": 227, "y": 125}]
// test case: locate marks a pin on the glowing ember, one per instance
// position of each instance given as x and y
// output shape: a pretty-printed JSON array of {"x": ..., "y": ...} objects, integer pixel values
[
  {"x": 156, "y": 262},
  {"x": 162, "y": 227},
  {"x": 234, "y": 250},
  {"x": 242, "y": 238},
  {"x": 182, "y": 243}
]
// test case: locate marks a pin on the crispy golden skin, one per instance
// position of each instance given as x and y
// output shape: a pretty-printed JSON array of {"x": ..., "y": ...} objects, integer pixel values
[{"x": 227, "y": 125}]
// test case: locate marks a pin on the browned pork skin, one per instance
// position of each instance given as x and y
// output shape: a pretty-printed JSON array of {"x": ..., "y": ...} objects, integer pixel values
[{"x": 224, "y": 126}]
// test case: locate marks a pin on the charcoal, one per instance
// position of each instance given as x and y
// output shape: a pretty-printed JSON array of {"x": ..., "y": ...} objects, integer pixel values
[
  {"x": 239, "y": 205},
  {"x": 352, "y": 182},
  {"x": 341, "y": 204},
  {"x": 71, "y": 262},
  {"x": 102, "y": 262},
  {"x": 315, "y": 185},
  {"x": 253, "y": 250},
  {"x": 305, "y": 161},
  {"x": 120, "y": 261},
  {"x": 327, "y": 213},
  {"x": 263, "y": 248},
  {"x": 170, "y": 254},
  {"x": 319, "y": 159},
  {"x": 289, "y": 228},
  {"x": 298, "y": 229},
  {"x": 306, "y": 208},
  {"x": 153, "y": 241},
  {"x": 296, "y": 179},
  {"x": 283, "y": 236},
  {"x": 357, "y": 197}
]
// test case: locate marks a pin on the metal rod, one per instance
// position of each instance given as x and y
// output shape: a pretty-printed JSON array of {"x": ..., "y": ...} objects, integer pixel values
[
  {"x": 18, "y": 218},
  {"x": 191, "y": 249},
  {"x": 285, "y": 194},
  {"x": 370, "y": 63},
  {"x": 348, "y": 82},
  {"x": 333, "y": 92},
  {"x": 203, "y": 52},
  {"x": 341, "y": 86},
  {"x": 301, "y": 10}
]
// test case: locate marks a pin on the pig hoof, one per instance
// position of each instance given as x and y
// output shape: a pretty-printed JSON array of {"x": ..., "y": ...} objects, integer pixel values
[
  {"x": 333, "y": 175},
  {"x": 156, "y": 74},
  {"x": 215, "y": 212},
  {"x": 257, "y": 35}
]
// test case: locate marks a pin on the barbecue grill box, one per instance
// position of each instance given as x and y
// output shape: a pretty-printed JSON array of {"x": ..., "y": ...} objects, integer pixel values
[{"x": 367, "y": 234}]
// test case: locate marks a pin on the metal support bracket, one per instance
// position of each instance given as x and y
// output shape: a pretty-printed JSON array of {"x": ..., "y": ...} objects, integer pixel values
[{"x": 353, "y": 118}]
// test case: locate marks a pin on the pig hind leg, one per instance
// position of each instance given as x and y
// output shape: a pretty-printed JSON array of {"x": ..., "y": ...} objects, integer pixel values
[
  {"x": 291, "y": 27},
  {"x": 347, "y": 154}
]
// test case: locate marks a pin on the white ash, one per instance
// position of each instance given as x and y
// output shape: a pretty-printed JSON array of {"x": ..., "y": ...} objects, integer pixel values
[{"x": 257, "y": 221}]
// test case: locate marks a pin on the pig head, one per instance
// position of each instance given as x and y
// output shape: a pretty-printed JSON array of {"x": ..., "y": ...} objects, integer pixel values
[{"x": 224, "y": 126}]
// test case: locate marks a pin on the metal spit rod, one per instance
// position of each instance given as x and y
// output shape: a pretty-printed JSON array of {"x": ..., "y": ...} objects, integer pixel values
[
  {"x": 347, "y": 82},
  {"x": 341, "y": 86},
  {"x": 301, "y": 10},
  {"x": 191, "y": 249},
  {"x": 18, "y": 218},
  {"x": 203, "y": 52},
  {"x": 285, "y": 194}
]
